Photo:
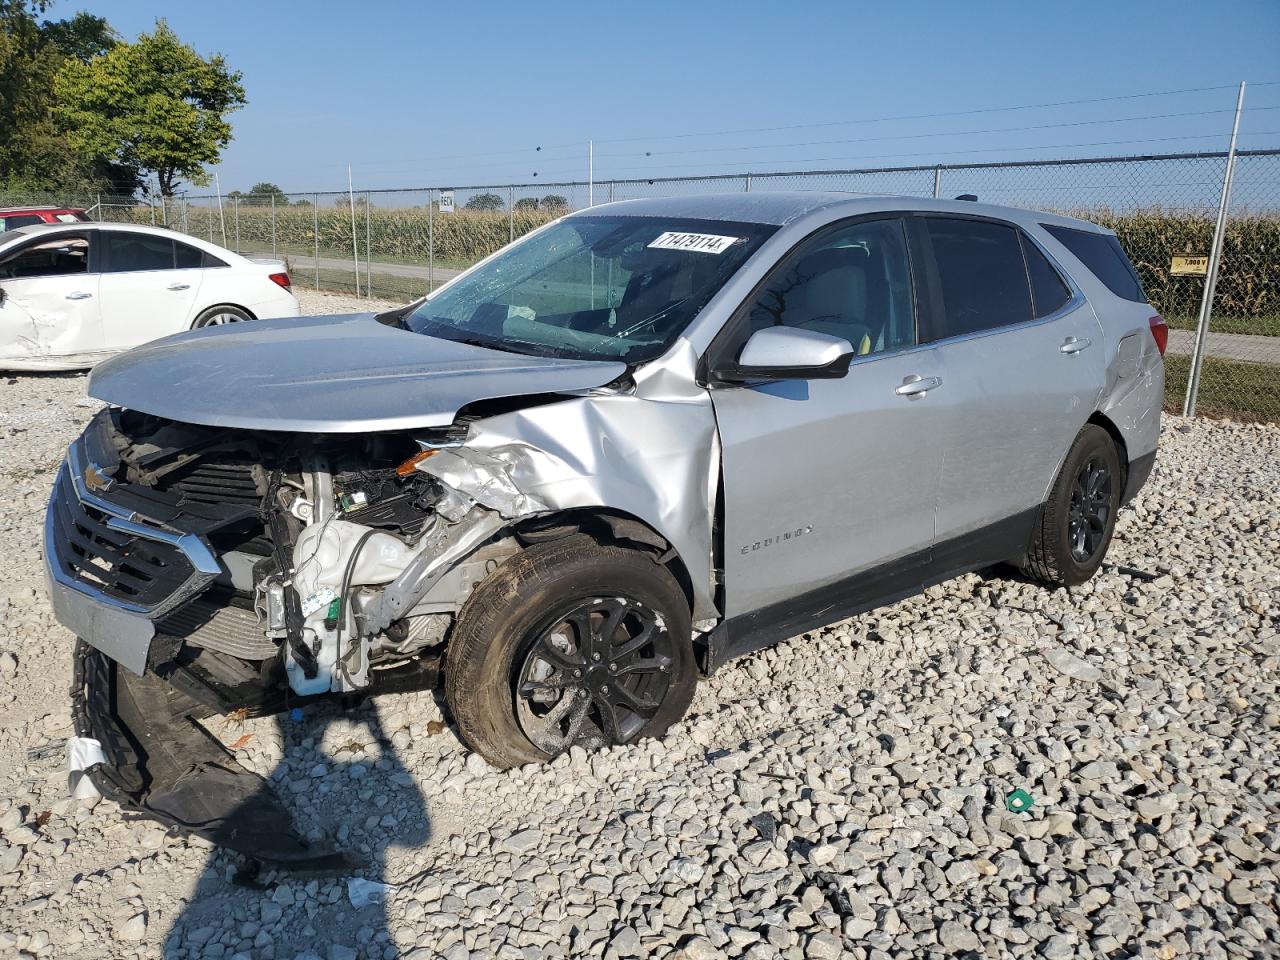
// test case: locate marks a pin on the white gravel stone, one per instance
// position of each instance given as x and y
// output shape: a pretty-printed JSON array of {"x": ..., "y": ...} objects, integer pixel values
[{"x": 844, "y": 791}]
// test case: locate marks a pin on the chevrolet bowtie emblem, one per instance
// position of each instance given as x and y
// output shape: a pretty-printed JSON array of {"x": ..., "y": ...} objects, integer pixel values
[{"x": 98, "y": 479}]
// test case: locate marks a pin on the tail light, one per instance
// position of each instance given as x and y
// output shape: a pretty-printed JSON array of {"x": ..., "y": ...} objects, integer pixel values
[
  {"x": 1159, "y": 333},
  {"x": 282, "y": 279}
]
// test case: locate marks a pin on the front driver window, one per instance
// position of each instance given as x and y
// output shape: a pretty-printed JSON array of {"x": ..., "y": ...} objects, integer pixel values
[
  {"x": 852, "y": 282},
  {"x": 53, "y": 258}
]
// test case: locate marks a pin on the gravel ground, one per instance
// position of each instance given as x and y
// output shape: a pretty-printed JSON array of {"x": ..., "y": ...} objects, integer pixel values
[{"x": 844, "y": 794}]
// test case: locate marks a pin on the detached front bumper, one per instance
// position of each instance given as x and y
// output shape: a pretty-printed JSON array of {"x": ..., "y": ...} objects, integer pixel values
[{"x": 113, "y": 571}]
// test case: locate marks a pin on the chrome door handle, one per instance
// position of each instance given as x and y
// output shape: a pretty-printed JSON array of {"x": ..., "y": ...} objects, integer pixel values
[
  {"x": 916, "y": 385},
  {"x": 1074, "y": 344},
  {"x": 179, "y": 286},
  {"x": 79, "y": 295}
]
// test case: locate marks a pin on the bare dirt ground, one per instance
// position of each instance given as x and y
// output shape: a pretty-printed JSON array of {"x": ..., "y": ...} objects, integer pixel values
[{"x": 844, "y": 794}]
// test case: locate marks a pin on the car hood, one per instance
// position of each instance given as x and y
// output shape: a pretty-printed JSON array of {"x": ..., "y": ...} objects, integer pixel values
[{"x": 340, "y": 374}]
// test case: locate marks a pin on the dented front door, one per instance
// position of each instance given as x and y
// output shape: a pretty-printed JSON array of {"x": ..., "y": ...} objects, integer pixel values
[{"x": 50, "y": 321}]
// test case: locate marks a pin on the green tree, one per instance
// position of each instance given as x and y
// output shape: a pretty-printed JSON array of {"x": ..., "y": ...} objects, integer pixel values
[
  {"x": 155, "y": 105},
  {"x": 34, "y": 152},
  {"x": 266, "y": 189},
  {"x": 484, "y": 201},
  {"x": 527, "y": 204},
  {"x": 554, "y": 203}
]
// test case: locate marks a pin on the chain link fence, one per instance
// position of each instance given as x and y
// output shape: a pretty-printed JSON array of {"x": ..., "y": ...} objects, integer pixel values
[{"x": 401, "y": 244}]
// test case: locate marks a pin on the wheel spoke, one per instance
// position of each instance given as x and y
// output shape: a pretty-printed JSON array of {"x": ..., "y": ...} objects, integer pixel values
[
  {"x": 612, "y": 610},
  {"x": 637, "y": 705},
  {"x": 609, "y": 720},
  {"x": 576, "y": 721},
  {"x": 629, "y": 647},
  {"x": 552, "y": 684},
  {"x": 649, "y": 665},
  {"x": 557, "y": 713},
  {"x": 558, "y": 658}
]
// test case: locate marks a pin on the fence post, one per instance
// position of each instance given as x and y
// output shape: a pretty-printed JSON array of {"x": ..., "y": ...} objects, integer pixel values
[
  {"x": 151, "y": 202},
  {"x": 186, "y": 224},
  {"x": 273, "y": 224},
  {"x": 511, "y": 214},
  {"x": 315, "y": 233},
  {"x": 431, "y": 240},
  {"x": 235, "y": 206},
  {"x": 368, "y": 249},
  {"x": 355, "y": 245},
  {"x": 747, "y": 187},
  {"x": 611, "y": 186},
  {"x": 937, "y": 182},
  {"x": 1215, "y": 260}
]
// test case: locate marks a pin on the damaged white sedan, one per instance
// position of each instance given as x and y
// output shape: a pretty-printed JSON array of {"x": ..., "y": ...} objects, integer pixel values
[
  {"x": 644, "y": 439},
  {"x": 73, "y": 294}
]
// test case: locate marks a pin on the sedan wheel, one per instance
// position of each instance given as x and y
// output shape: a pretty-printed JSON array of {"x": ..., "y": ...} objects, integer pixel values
[{"x": 220, "y": 315}]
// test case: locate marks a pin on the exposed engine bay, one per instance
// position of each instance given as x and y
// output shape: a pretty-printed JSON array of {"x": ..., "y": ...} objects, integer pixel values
[
  {"x": 338, "y": 567},
  {"x": 336, "y": 554}
]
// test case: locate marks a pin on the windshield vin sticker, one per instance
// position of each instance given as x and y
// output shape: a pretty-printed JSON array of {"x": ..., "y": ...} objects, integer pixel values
[{"x": 697, "y": 242}]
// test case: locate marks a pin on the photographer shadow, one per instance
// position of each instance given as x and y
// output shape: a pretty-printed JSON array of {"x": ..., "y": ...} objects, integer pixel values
[{"x": 353, "y": 811}]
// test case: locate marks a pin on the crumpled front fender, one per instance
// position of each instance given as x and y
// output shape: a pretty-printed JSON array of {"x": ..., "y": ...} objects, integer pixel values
[{"x": 652, "y": 452}]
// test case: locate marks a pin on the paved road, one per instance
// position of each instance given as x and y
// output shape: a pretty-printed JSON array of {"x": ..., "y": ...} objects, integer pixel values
[
  {"x": 302, "y": 263},
  {"x": 1228, "y": 346}
]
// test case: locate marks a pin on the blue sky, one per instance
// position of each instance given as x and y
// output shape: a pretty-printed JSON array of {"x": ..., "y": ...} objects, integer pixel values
[{"x": 416, "y": 94}]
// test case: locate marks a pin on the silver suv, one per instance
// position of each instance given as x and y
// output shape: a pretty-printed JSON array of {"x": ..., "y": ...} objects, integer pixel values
[{"x": 645, "y": 439}]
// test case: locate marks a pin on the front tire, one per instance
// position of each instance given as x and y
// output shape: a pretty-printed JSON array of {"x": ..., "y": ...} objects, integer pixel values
[
  {"x": 1078, "y": 519},
  {"x": 569, "y": 643}
]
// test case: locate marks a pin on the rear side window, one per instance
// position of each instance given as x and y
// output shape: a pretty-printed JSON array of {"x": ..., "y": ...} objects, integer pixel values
[
  {"x": 981, "y": 274},
  {"x": 1049, "y": 293},
  {"x": 127, "y": 252},
  {"x": 1102, "y": 254}
]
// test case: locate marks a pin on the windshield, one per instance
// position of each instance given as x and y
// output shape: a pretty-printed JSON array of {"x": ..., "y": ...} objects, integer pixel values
[{"x": 598, "y": 288}]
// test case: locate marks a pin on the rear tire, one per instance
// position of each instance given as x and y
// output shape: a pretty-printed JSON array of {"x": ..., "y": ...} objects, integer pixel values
[
  {"x": 220, "y": 315},
  {"x": 1078, "y": 519},
  {"x": 569, "y": 643}
]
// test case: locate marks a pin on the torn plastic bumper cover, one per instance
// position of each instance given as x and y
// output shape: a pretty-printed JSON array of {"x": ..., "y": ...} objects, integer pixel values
[{"x": 161, "y": 763}]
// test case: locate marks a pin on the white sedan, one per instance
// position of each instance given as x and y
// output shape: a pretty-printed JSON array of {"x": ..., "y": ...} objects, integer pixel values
[{"x": 74, "y": 294}]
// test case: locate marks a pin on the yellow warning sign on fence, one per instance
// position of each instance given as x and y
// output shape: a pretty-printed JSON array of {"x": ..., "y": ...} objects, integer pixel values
[{"x": 1189, "y": 266}]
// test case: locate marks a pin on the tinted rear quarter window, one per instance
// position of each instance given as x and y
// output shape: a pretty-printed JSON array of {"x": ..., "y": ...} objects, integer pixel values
[
  {"x": 127, "y": 252},
  {"x": 1105, "y": 258},
  {"x": 1049, "y": 292},
  {"x": 981, "y": 274}
]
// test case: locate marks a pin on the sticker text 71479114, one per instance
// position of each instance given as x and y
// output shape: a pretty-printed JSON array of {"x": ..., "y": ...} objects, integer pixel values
[{"x": 696, "y": 242}]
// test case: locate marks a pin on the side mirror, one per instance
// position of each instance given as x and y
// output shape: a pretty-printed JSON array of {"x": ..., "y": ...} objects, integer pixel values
[{"x": 788, "y": 353}]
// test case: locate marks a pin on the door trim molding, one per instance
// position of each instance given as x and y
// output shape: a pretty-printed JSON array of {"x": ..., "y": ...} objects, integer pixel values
[{"x": 1003, "y": 541}]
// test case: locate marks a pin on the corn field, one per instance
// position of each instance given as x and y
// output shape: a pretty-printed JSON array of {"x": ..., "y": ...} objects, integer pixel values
[{"x": 400, "y": 244}]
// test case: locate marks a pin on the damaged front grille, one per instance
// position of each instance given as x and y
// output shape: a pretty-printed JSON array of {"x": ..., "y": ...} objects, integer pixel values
[
  {"x": 139, "y": 573},
  {"x": 143, "y": 549}
]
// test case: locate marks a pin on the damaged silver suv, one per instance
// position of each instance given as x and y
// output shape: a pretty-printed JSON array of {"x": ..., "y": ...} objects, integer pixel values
[{"x": 644, "y": 439}]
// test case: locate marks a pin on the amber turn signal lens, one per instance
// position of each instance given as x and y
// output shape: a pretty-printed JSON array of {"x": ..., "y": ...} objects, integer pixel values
[{"x": 411, "y": 464}]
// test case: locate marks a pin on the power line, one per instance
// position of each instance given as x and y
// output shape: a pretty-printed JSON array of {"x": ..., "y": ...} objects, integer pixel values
[
  {"x": 934, "y": 153},
  {"x": 545, "y": 149},
  {"x": 935, "y": 116},
  {"x": 949, "y": 133}
]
